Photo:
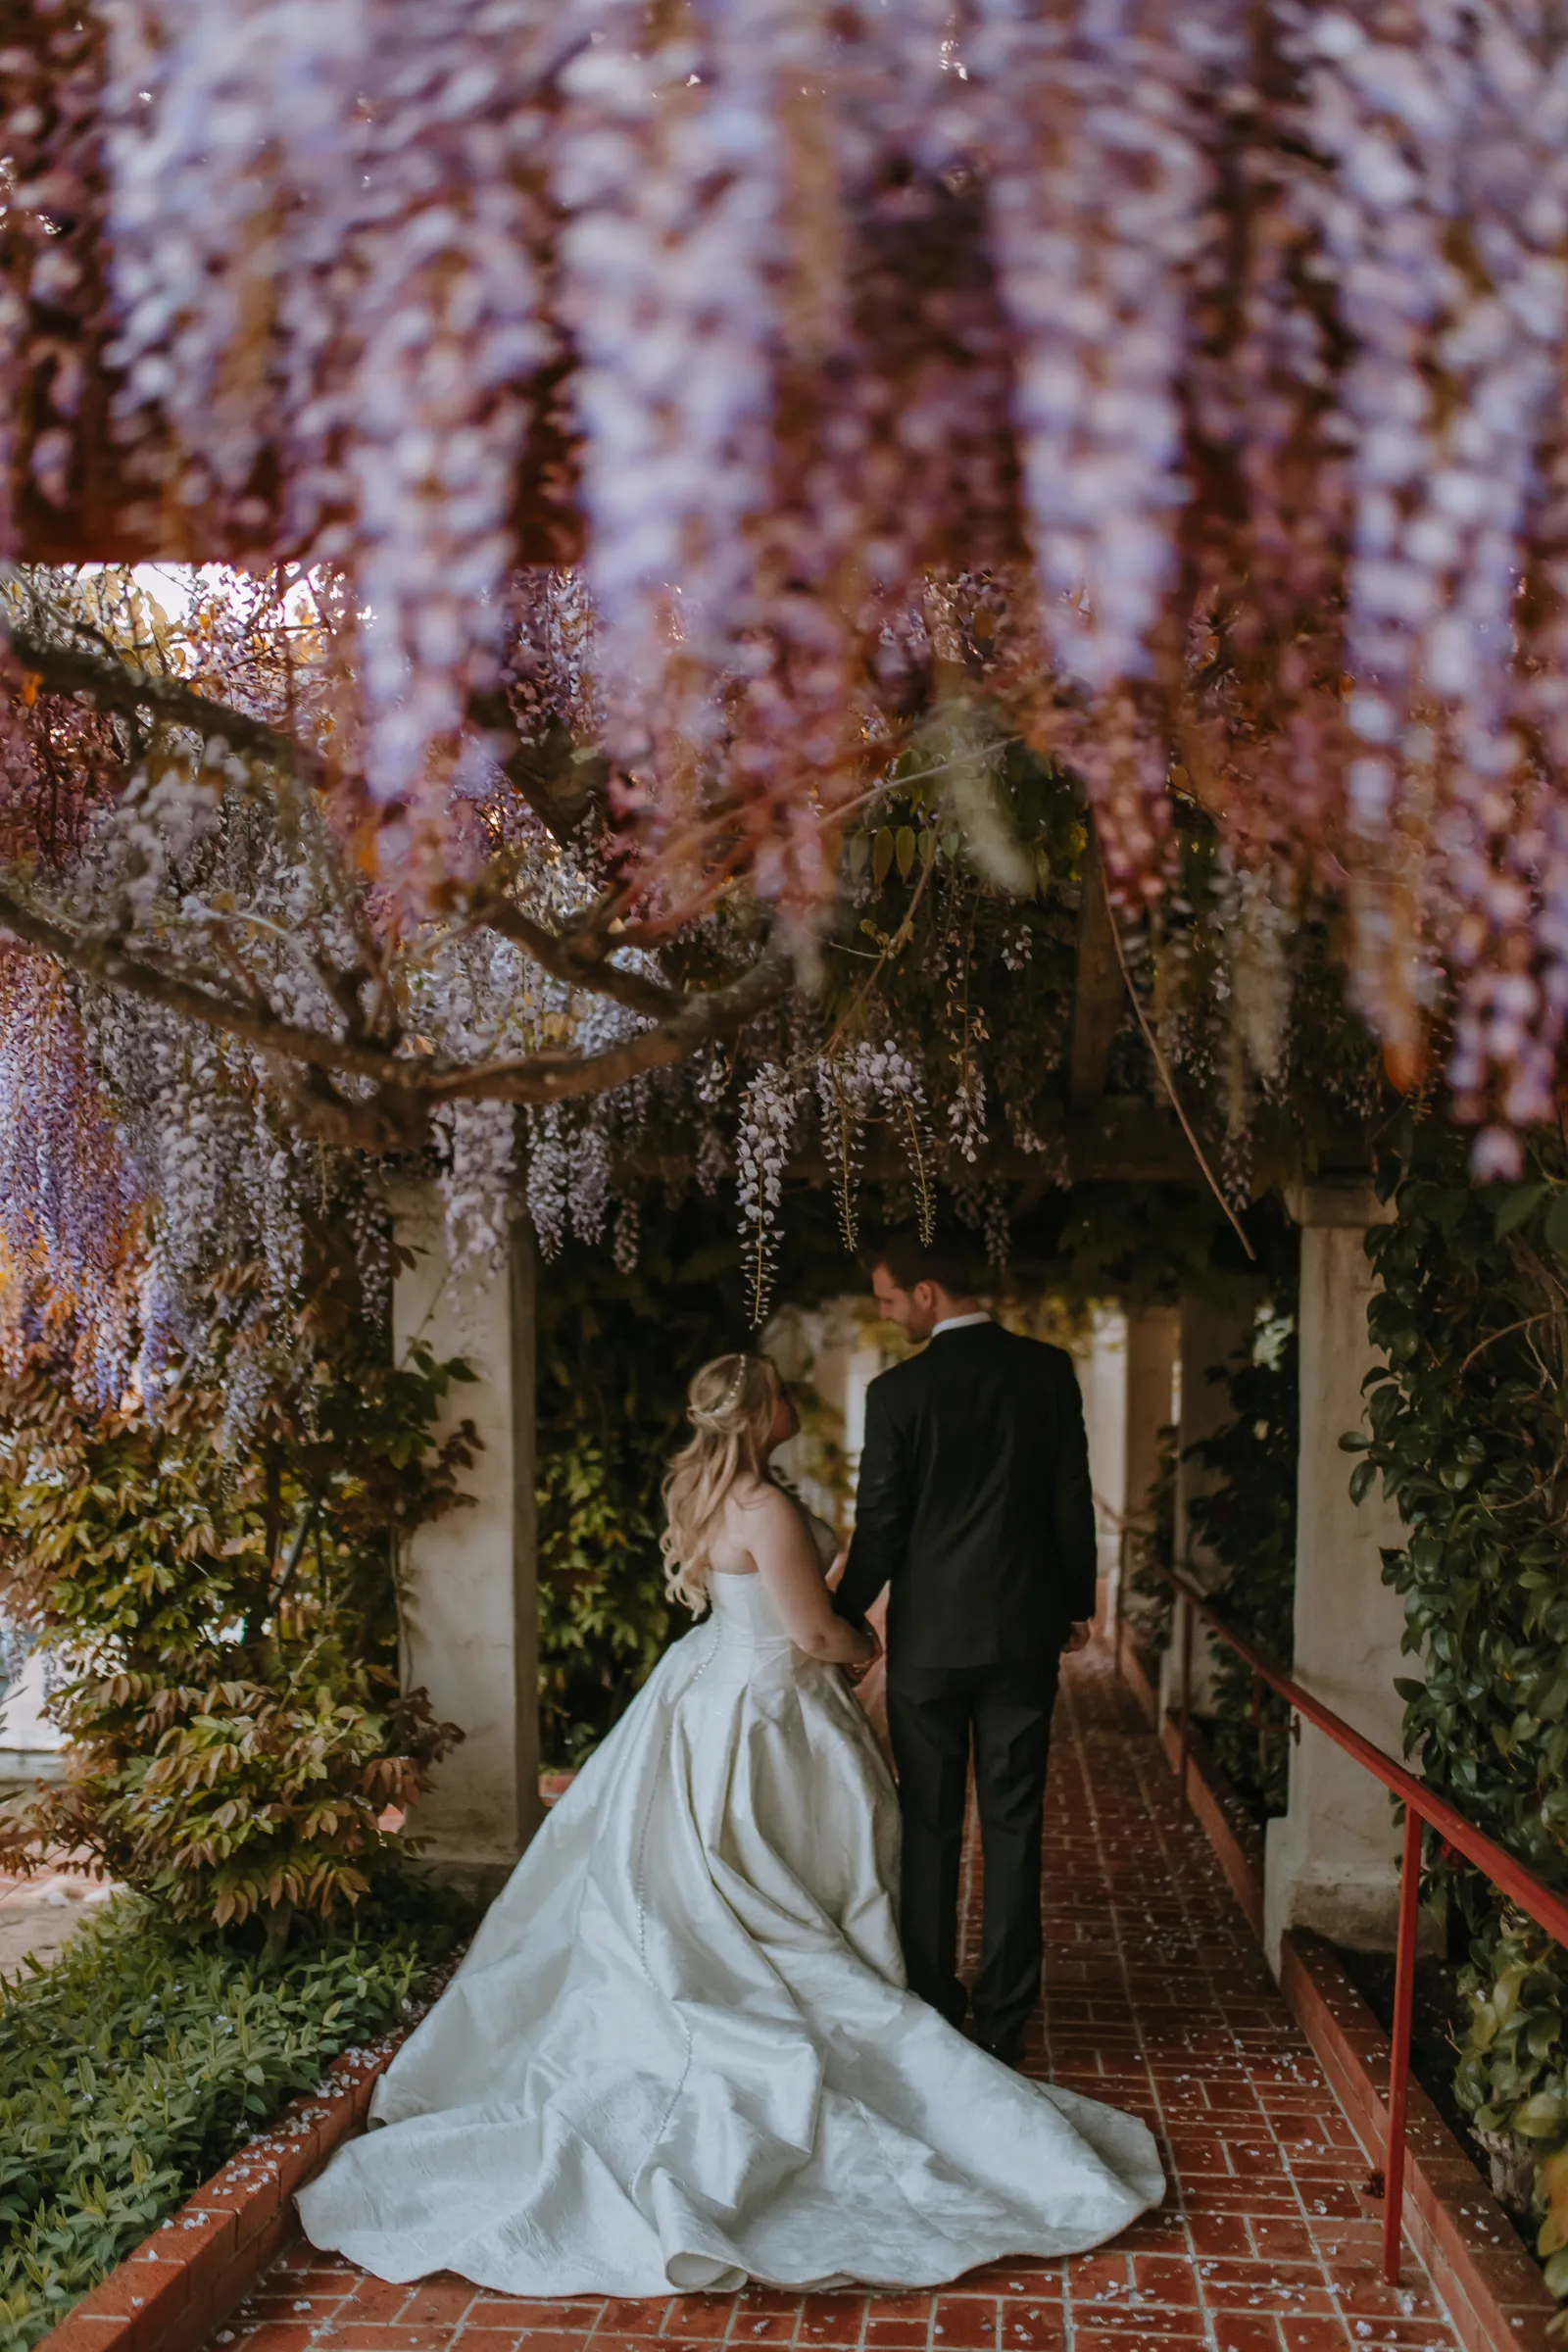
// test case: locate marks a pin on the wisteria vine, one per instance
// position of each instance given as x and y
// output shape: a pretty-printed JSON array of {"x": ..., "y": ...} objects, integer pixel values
[
  {"x": 1231, "y": 341},
  {"x": 681, "y": 473}
]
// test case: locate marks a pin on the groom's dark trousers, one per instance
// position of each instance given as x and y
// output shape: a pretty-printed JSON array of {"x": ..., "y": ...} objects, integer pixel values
[{"x": 975, "y": 1510}]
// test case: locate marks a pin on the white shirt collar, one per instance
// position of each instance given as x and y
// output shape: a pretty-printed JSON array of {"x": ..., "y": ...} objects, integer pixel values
[{"x": 958, "y": 1322}]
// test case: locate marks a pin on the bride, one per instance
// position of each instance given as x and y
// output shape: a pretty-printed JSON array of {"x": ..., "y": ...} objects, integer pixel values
[{"x": 680, "y": 2052}]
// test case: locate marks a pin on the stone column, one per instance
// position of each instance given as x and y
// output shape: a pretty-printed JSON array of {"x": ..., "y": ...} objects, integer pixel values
[
  {"x": 1153, "y": 1339},
  {"x": 1216, "y": 1326},
  {"x": 866, "y": 1360},
  {"x": 468, "y": 1581},
  {"x": 1101, "y": 1365},
  {"x": 1332, "y": 1860}
]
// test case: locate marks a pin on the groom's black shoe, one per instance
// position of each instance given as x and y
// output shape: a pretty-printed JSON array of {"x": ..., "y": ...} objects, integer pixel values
[{"x": 1009, "y": 2053}]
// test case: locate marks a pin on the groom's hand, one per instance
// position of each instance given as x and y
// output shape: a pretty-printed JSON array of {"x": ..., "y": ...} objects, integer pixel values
[
  {"x": 1078, "y": 1635},
  {"x": 862, "y": 1666}
]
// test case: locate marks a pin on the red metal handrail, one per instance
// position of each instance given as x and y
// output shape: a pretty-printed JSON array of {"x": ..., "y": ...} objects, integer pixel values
[{"x": 1422, "y": 1805}]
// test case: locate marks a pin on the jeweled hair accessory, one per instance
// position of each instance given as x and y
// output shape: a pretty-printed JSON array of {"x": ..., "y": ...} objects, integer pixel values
[{"x": 711, "y": 1416}]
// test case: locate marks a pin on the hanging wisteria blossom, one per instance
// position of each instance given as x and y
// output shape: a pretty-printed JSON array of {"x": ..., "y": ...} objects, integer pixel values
[
  {"x": 767, "y": 1128},
  {"x": 665, "y": 460}
]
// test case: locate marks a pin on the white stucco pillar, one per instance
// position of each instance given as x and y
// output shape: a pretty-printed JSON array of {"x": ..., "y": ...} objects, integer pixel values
[
  {"x": 1332, "y": 1860},
  {"x": 1152, "y": 1340},
  {"x": 31, "y": 1748},
  {"x": 468, "y": 1581},
  {"x": 1215, "y": 1326},
  {"x": 865, "y": 1363},
  {"x": 1102, "y": 1380}
]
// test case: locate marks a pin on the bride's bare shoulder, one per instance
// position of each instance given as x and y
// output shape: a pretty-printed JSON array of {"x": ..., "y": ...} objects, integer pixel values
[
  {"x": 754, "y": 1495},
  {"x": 747, "y": 1519},
  {"x": 759, "y": 1512},
  {"x": 771, "y": 1522}
]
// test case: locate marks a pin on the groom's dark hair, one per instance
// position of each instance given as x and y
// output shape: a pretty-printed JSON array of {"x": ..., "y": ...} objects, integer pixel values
[{"x": 945, "y": 1260}]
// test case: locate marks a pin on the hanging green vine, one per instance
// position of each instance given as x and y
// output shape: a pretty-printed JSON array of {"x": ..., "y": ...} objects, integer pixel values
[{"x": 1470, "y": 1436}]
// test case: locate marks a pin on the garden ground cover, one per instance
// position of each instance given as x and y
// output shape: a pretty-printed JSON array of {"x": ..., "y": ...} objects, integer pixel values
[{"x": 131, "y": 2068}]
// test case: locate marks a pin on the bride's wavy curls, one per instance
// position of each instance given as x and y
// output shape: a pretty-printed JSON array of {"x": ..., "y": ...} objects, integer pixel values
[{"x": 730, "y": 1406}]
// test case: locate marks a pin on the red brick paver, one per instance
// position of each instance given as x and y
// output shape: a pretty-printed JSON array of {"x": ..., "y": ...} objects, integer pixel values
[{"x": 1157, "y": 1999}]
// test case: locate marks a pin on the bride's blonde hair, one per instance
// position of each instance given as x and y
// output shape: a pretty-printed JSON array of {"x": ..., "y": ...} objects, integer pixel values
[{"x": 730, "y": 1408}]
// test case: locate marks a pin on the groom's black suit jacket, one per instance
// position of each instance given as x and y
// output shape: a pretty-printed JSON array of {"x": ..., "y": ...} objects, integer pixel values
[{"x": 974, "y": 1502}]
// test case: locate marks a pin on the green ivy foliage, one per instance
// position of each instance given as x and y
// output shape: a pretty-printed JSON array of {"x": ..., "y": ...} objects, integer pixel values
[
  {"x": 1135, "y": 1242},
  {"x": 1470, "y": 1436},
  {"x": 1247, "y": 1524},
  {"x": 226, "y": 1622},
  {"x": 616, "y": 1351},
  {"x": 604, "y": 1621},
  {"x": 144, "y": 2056}
]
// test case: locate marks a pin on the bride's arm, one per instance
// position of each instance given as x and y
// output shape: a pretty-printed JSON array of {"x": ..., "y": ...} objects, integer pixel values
[{"x": 780, "y": 1544}]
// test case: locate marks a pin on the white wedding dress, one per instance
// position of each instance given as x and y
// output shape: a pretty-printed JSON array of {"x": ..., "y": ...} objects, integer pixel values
[{"x": 679, "y": 2052}]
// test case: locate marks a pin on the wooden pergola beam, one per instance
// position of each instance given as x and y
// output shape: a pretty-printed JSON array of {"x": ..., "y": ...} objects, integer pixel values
[
  {"x": 1126, "y": 1139},
  {"x": 1123, "y": 1141},
  {"x": 109, "y": 518}
]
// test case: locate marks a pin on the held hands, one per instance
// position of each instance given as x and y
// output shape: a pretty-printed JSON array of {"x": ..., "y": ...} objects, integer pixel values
[
  {"x": 861, "y": 1667},
  {"x": 1078, "y": 1637}
]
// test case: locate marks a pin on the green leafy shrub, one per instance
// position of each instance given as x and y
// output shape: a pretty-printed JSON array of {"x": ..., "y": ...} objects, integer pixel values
[
  {"x": 140, "y": 2061},
  {"x": 225, "y": 1621},
  {"x": 1470, "y": 1435}
]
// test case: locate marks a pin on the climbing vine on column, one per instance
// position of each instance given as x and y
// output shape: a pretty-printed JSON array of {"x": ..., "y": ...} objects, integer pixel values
[
  {"x": 1247, "y": 1524},
  {"x": 1470, "y": 1435}
]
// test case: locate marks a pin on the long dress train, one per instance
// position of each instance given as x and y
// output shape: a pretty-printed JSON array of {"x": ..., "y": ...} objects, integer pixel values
[{"x": 680, "y": 2052}]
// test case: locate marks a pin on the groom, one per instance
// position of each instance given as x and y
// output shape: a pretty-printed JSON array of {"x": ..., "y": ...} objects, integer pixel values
[{"x": 974, "y": 1508}]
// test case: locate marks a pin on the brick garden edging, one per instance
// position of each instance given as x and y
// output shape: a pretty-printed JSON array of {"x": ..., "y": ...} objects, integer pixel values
[
  {"x": 1231, "y": 1830},
  {"x": 1228, "y": 1826},
  {"x": 190, "y": 2275},
  {"x": 1140, "y": 1671},
  {"x": 1495, "y": 2292},
  {"x": 1495, "y": 2295}
]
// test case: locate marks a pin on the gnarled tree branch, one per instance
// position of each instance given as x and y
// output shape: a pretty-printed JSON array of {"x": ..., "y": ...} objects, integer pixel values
[
  {"x": 405, "y": 1088},
  {"x": 74, "y": 666},
  {"x": 578, "y": 958},
  {"x": 555, "y": 1078},
  {"x": 560, "y": 782},
  {"x": 356, "y": 1082},
  {"x": 105, "y": 959}
]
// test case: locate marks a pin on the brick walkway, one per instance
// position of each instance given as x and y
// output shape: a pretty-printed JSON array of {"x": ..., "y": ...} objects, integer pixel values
[{"x": 1156, "y": 2000}]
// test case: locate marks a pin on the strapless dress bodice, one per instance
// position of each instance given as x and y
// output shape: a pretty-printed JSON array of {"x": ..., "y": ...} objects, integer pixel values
[{"x": 742, "y": 1615}]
